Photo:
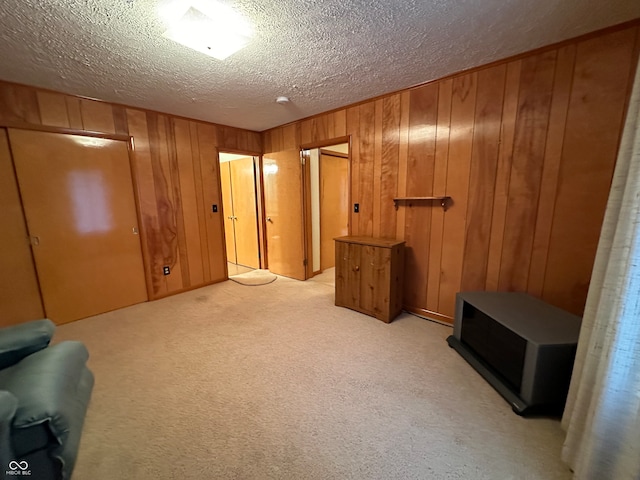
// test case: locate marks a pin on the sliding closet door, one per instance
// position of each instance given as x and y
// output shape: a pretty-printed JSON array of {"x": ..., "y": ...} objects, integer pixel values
[
  {"x": 19, "y": 293},
  {"x": 79, "y": 203},
  {"x": 227, "y": 208},
  {"x": 243, "y": 185}
]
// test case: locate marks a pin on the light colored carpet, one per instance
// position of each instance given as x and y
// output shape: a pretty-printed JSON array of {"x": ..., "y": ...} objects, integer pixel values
[
  {"x": 233, "y": 269},
  {"x": 227, "y": 382},
  {"x": 328, "y": 277},
  {"x": 254, "y": 278}
]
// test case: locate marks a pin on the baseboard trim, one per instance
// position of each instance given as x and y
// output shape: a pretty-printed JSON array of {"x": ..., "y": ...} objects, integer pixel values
[{"x": 429, "y": 315}]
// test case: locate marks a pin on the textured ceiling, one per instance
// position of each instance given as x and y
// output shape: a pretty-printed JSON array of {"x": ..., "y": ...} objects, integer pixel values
[{"x": 323, "y": 54}]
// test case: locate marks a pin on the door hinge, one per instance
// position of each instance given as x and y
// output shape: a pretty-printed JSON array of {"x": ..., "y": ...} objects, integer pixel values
[{"x": 304, "y": 262}]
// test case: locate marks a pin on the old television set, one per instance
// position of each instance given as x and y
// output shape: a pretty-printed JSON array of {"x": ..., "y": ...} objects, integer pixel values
[{"x": 522, "y": 346}]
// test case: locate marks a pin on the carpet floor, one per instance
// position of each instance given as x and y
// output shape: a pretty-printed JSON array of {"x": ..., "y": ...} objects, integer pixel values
[{"x": 230, "y": 382}]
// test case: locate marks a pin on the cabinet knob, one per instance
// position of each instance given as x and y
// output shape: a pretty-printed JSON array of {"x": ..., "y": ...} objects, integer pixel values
[{"x": 356, "y": 268}]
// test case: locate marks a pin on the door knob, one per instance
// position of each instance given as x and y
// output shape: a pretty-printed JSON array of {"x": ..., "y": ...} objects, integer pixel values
[
  {"x": 269, "y": 219},
  {"x": 135, "y": 230},
  {"x": 35, "y": 241}
]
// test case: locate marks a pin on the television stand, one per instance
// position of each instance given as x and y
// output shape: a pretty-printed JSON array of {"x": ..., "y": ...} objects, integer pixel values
[{"x": 522, "y": 346}]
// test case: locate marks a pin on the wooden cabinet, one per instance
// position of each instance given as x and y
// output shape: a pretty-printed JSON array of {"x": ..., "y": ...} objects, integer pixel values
[{"x": 369, "y": 273}]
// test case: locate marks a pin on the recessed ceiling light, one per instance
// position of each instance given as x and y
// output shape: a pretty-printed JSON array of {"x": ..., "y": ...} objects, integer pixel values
[{"x": 208, "y": 27}]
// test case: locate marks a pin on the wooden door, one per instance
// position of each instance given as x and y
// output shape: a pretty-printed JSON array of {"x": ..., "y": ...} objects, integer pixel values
[
  {"x": 227, "y": 209},
  {"x": 19, "y": 292},
  {"x": 243, "y": 187},
  {"x": 282, "y": 172},
  {"x": 79, "y": 203},
  {"x": 334, "y": 205}
]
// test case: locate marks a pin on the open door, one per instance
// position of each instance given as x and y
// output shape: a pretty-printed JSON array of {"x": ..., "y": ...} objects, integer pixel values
[
  {"x": 327, "y": 198},
  {"x": 283, "y": 200},
  {"x": 334, "y": 204}
]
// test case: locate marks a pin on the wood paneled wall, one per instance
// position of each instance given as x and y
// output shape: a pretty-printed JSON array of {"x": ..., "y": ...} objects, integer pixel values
[
  {"x": 176, "y": 172},
  {"x": 526, "y": 149}
]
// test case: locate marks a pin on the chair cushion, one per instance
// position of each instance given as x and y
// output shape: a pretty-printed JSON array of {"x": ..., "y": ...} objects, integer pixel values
[
  {"x": 18, "y": 341},
  {"x": 46, "y": 385}
]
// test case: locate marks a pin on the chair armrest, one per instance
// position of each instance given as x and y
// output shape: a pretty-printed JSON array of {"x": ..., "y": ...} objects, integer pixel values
[
  {"x": 8, "y": 407},
  {"x": 18, "y": 341}
]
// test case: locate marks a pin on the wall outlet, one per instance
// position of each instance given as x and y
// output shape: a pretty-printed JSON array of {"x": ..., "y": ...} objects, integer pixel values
[{"x": 166, "y": 270}]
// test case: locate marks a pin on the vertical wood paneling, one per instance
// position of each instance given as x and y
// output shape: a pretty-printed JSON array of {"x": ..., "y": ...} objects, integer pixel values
[
  {"x": 390, "y": 164},
  {"x": 176, "y": 174},
  {"x": 19, "y": 103},
  {"x": 291, "y": 137},
  {"x": 120, "y": 120},
  {"x": 188, "y": 201},
  {"x": 170, "y": 228},
  {"x": 200, "y": 201},
  {"x": 340, "y": 123},
  {"x": 353, "y": 125},
  {"x": 503, "y": 174},
  {"x": 463, "y": 104},
  {"x": 366, "y": 154},
  {"x": 484, "y": 163},
  {"x": 305, "y": 134},
  {"x": 423, "y": 114},
  {"x": 534, "y": 103},
  {"x": 53, "y": 109},
  {"x": 551, "y": 168},
  {"x": 377, "y": 167},
  {"x": 74, "y": 113},
  {"x": 97, "y": 116},
  {"x": 210, "y": 168},
  {"x": 441, "y": 159},
  {"x": 525, "y": 148},
  {"x": 403, "y": 154},
  {"x": 593, "y": 127}
]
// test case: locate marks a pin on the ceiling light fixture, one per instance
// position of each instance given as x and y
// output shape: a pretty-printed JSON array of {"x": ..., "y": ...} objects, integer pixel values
[
  {"x": 208, "y": 27},
  {"x": 282, "y": 100}
]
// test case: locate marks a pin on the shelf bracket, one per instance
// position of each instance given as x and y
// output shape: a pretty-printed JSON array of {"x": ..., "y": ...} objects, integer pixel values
[{"x": 444, "y": 201}]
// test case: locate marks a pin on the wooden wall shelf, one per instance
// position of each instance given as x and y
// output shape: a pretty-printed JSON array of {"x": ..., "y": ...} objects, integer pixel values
[{"x": 444, "y": 200}]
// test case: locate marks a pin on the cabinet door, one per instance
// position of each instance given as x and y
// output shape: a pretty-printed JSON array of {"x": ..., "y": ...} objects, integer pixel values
[
  {"x": 374, "y": 266},
  {"x": 342, "y": 275}
]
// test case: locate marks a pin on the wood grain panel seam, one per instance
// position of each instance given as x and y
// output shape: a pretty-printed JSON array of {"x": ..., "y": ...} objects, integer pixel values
[
  {"x": 564, "y": 132},
  {"x": 544, "y": 149}
]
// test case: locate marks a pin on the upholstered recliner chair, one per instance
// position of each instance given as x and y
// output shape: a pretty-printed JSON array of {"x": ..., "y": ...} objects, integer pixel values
[{"x": 44, "y": 393}]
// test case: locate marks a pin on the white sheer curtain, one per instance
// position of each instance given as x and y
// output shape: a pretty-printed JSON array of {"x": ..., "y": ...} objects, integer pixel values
[{"x": 602, "y": 416}]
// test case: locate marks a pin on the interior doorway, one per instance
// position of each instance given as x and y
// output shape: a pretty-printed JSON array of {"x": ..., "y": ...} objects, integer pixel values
[
  {"x": 328, "y": 200},
  {"x": 240, "y": 208}
]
